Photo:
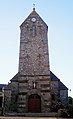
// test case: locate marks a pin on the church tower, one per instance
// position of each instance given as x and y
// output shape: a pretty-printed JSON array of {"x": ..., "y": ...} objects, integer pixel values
[
  {"x": 29, "y": 90},
  {"x": 34, "y": 80},
  {"x": 33, "y": 57}
]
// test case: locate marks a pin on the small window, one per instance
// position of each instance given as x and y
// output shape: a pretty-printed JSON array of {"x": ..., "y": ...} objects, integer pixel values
[{"x": 33, "y": 31}]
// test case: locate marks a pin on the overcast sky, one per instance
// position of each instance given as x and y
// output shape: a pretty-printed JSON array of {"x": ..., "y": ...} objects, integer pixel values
[{"x": 58, "y": 14}]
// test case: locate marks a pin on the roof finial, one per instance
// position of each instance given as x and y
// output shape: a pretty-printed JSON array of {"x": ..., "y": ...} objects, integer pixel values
[{"x": 33, "y": 7}]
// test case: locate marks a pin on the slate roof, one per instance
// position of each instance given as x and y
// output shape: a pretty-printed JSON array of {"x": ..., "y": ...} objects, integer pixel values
[
  {"x": 1, "y": 86},
  {"x": 62, "y": 86},
  {"x": 15, "y": 78},
  {"x": 55, "y": 78}
]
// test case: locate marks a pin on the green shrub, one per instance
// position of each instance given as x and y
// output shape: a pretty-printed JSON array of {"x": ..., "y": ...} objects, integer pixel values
[
  {"x": 62, "y": 113},
  {"x": 56, "y": 105},
  {"x": 70, "y": 111}
]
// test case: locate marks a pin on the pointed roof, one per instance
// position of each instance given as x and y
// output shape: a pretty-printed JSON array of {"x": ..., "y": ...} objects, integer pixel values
[{"x": 32, "y": 15}]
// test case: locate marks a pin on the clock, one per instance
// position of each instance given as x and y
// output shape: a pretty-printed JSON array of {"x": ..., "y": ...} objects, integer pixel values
[{"x": 33, "y": 19}]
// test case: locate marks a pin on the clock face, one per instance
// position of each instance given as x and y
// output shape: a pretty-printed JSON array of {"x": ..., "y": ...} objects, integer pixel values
[{"x": 33, "y": 19}]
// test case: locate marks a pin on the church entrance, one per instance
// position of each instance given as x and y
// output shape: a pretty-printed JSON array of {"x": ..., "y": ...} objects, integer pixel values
[{"x": 34, "y": 103}]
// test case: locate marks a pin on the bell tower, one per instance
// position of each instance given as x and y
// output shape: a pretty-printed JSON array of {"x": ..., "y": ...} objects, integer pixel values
[
  {"x": 34, "y": 56},
  {"x": 34, "y": 79}
]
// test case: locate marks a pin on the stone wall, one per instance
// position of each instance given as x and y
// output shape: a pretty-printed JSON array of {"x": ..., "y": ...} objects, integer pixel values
[
  {"x": 41, "y": 88},
  {"x": 7, "y": 100},
  {"x": 55, "y": 89},
  {"x": 10, "y": 97},
  {"x": 34, "y": 56},
  {"x": 64, "y": 97}
]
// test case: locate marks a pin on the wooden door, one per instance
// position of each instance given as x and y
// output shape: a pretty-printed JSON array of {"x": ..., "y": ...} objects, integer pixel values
[{"x": 34, "y": 104}]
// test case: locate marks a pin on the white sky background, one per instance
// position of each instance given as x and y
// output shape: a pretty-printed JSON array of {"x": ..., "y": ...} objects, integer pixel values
[{"x": 58, "y": 14}]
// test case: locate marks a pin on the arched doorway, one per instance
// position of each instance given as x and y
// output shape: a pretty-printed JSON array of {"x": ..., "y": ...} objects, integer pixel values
[{"x": 34, "y": 103}]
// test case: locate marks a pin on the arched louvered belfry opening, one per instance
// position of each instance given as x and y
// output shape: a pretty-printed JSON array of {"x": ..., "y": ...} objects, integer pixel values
[{"x": 34, "y": 103}]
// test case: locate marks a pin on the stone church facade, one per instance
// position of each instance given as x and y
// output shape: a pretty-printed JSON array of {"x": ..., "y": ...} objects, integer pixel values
[{"x": 34, "y": 87}]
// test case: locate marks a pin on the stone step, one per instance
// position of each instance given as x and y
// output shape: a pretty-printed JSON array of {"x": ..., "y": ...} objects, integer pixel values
[{"x": 51, "y": 114}]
